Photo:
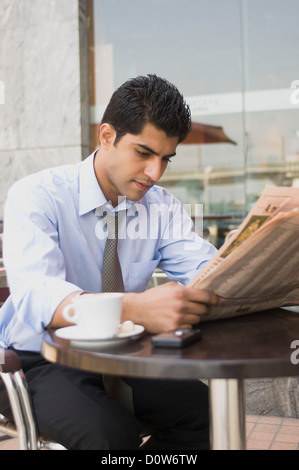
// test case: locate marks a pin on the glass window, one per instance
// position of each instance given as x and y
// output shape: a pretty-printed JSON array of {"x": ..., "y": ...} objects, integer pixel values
[
  {"x": 234, "y": 61},
  {"x": 270, "y": 32}
]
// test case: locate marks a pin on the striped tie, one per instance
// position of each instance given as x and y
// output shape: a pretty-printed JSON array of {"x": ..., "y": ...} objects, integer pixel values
[{"x": 112, "y": 280}]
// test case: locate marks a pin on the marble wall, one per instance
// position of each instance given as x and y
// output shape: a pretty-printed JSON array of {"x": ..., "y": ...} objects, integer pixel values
[{"x": 44, "y": 118}]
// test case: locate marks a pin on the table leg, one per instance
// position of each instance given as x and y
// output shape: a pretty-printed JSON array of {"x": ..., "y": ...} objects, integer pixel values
[{"x": 227, "y": 412}]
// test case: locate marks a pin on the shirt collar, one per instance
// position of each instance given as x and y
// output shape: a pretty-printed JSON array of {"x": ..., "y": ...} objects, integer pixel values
[{"x": 91, "y": 196}]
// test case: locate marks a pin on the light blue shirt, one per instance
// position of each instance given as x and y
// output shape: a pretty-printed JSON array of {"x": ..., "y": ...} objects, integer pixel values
[{"x": 54, "y": 240}]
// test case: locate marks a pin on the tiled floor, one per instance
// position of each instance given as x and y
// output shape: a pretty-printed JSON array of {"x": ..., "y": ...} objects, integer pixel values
[
  {"x": 272, "y": 433},
  {"x": 263, "y": 433}
]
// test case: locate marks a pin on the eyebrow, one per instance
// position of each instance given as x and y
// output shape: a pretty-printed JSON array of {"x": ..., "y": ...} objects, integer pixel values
[{"x": 148, "y": 149}]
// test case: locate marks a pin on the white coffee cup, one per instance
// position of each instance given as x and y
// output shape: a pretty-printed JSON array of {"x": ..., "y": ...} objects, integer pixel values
[{"x": 97, "y": 315}]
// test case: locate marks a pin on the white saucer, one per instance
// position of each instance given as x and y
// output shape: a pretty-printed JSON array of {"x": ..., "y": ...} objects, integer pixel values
[{"x": 79, "y": 339}]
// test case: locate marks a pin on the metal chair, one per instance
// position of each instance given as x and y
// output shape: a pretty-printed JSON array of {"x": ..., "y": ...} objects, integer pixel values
[
  {"x": 15, "y": 383},
  {"x": 24, "y": 425}
]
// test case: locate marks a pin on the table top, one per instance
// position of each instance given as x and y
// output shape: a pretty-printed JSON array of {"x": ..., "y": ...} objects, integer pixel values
[{"x": 250, "y": 346}]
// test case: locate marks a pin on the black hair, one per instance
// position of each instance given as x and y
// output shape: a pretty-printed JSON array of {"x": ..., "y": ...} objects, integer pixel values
[{"x": 148, "y": 100}]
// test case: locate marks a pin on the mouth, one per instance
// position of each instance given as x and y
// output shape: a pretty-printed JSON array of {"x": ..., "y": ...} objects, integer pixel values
[{"x": 142, "y": 186}]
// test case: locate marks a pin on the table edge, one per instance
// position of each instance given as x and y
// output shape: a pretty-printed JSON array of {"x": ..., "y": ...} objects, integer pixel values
[{"x": 166, "y": 366}]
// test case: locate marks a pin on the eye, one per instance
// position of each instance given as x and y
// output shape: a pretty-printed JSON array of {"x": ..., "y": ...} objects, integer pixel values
[
  {"x": 142, "y": 153},
  {"x": 167, "y": 159}
]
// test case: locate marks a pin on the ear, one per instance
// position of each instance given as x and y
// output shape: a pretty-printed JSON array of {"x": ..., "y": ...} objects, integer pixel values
[{"x": 107, "y": 134}]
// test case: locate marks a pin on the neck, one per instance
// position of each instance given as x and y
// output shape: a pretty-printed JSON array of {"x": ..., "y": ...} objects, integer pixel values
[{"x": 102, "y": 179}]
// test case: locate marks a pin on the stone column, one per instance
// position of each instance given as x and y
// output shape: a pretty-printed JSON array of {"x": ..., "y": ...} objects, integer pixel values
[{"x": 44, "y": 120}]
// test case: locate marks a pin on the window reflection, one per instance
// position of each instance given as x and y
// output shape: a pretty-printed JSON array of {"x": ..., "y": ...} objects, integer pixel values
[{"x": 234, "y": 61}]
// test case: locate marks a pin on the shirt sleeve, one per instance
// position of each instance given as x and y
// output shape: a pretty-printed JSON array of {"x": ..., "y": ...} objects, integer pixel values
[
  {"x": 183, "y": 251},
  {"x": 34, "y": 262}
]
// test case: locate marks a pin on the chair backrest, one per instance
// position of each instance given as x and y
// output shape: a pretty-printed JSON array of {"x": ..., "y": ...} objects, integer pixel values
[
  {"x": 11, "y": 362},
  {"x": 4, "y": 290},
  {"x": 4, "y": 294}
]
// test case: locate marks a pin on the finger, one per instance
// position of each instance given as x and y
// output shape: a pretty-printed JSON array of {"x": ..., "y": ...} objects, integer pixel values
[
  {"x": 197, "y": 308},
  {"x": 187, "y": 326},
  {"x": 189, "y": 319},
  {"x": 203, "y": 296}
]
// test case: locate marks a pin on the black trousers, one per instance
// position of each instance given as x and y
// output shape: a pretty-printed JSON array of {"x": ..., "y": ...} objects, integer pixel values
[{"x": 72, "y": 408}]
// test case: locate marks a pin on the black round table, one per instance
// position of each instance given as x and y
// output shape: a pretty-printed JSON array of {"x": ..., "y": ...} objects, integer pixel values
[{"x": 230, "y": 350}]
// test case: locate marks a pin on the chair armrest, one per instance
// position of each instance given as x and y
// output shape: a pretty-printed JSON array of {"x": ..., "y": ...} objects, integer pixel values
[{"x": 11, "y": 362}]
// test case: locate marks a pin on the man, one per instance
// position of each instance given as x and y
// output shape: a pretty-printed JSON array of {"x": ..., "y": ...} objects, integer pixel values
[{"x": 53, "y": 250}]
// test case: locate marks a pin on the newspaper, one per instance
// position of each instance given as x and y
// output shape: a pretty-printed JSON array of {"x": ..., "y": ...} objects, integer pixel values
[{"x": 257, "y": 268}]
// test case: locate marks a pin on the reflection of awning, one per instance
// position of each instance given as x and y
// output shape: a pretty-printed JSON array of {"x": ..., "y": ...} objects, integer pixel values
[{"x": 206, "y": 134}]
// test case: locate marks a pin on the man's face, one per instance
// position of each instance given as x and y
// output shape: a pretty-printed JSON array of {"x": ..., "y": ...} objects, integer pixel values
[{"x": 132, "y": 166}]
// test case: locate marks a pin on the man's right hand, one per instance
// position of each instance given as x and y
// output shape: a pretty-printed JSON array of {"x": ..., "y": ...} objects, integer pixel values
[{"x": 167, "y": 307}]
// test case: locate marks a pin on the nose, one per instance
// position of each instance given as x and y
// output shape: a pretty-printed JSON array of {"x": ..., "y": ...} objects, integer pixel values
[{"x": 153, "y": 169}]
